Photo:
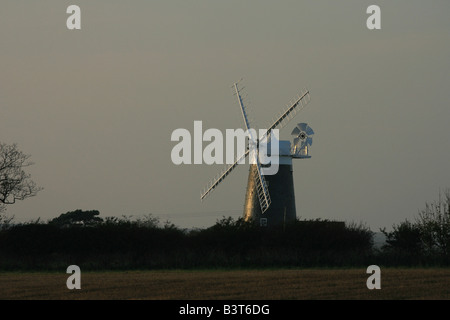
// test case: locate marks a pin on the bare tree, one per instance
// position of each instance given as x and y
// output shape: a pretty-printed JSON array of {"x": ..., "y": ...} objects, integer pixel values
[
  {"x": 434, "y": 225},
  {"x": 15, "y": 183}
]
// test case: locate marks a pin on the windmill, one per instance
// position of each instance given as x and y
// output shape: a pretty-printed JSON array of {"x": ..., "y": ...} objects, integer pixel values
[{"x": 270, "y": 199}]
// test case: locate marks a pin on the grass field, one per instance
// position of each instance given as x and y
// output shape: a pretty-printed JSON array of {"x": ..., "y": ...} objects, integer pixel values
[{"x": 433, "y": 283}]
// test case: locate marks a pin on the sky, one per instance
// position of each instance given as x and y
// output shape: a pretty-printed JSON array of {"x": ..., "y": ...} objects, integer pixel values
[{"x": 95, "y": 108}]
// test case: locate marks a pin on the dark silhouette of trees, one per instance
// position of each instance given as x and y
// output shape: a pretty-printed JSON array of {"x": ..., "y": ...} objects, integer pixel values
[
  {"x": 77, "y": 217},
  {"x": 15, "y": 183},
  {"x": 405, "y": 236},
  {"x": 433, "y": 223},
  {"x": 424, "y": 241},
  {"x": 83, "y": 238},
  {"x": 5, "y": 221}
]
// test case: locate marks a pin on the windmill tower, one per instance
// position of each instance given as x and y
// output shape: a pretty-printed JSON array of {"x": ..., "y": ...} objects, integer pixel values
[
  {"x": 270, "y": 199},
  {"x": 280, "y": 185}
]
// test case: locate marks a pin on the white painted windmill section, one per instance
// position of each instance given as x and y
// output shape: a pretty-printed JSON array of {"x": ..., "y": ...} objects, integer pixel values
[{"x": 284, "y": 153}]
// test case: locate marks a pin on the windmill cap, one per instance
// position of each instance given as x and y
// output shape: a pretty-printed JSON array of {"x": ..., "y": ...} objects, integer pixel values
[{"x": 284, "y": 148}]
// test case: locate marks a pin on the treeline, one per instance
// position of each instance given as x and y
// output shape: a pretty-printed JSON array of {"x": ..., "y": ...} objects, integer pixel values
[
  {"x": 84, "y": 239},
  {"x": 423, "y": 241},
  {"x": 93, "y": 243}
]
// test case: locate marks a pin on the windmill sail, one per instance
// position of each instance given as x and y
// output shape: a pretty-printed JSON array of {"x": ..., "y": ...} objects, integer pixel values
[
  {"x": 263, "y": 192},
  {"x": 214, "y": 183},
  {"x": 290, "y": 112},
  {"x": 261, "y": 189}
]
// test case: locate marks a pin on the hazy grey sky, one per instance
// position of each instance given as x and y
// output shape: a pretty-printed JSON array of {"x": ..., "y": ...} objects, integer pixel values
[{"x": 96, "y": 107}]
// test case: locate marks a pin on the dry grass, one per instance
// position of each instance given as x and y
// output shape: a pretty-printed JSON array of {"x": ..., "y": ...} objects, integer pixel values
[{"x": 326, "y": 284}]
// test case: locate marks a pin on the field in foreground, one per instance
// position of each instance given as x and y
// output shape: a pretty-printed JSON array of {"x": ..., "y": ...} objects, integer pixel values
[{"x": 433, "y": 283}]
